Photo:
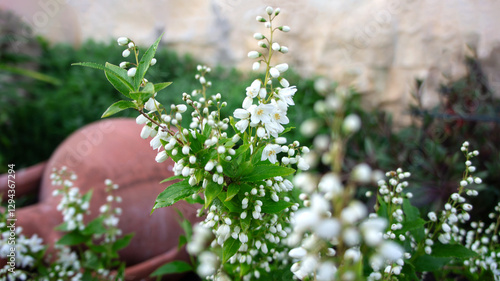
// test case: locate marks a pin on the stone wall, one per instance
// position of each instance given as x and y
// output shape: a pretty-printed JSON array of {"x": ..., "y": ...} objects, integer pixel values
[{"x": 379, "y": 46}]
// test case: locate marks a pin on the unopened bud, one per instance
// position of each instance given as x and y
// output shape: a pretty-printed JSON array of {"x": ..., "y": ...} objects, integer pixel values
[
  {"x": 253, "y": 54},
  {"x": 122, "y": 41}
]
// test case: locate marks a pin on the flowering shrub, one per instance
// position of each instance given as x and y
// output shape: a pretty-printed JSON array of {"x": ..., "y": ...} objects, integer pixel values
[
  {"x": 253, "y": 222},
  {"x": 97, "y": 242}
]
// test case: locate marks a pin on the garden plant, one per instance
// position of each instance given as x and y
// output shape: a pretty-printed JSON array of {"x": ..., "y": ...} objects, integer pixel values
[{"x": 267, "y": 214}]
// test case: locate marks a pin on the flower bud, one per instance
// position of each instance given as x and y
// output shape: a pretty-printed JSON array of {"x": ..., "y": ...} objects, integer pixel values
[
  {"x": 282, "y": 67},
  {"x": 131, "y": 45},
  {"x": 126, "y": 53},
  {"x": 269, "y": 10},
  {"x": 122, "y": 41},
  {"x": 131, "y": 72},
  {"x": 153, "y": 62},
  {"x": 254, "y": 54},
  {"x": 284, "y": 49},
  {"x": 352, "y": 123},
  {"x": 260, "y": 19},
  {"x": 256, "y": 66},
  {"x": 274, "y": 72},
  {"x": 275, "y": 46},
  {"x": 284, "y": 28},
  {"x": 123, "y": 64},
  {"x": 258, "y": 36},
  {"x": 277, "y": 11}
]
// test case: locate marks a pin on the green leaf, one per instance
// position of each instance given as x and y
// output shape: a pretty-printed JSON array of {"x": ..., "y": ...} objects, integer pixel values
[
  {"x": 144, "y": 63},
  {"x": 178, "y": 177},
  {"x": 382, "y": 208},
  {"x": 174, "y": 193},
  {"x": 230, "y": 247},
  {"x": 271, "y": 207},
  {"x": 95, "y": 227},
  {"x": 118, "y": 77},
  {"x": 263, "y": 172},
  {"x": 172, "y": 267},
  {"x": 412, "y": 213},
  {"x": 232, "y": 190},
  {"x": 452, "y": 251},
  {"x": 212, "y": 191},
  {"x": 89, "y": 64},
  {"x": 412, "y": 225},
  {"x": 117, "y": 107},
  {"x": 430, "y": 263},
  {"x": 122, "y": 242},
  {"x": 161, "y": 86},
  {"x": 73, "y": 238}
]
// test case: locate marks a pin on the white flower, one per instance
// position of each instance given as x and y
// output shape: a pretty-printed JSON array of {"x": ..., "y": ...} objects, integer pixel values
[
  {"x": 302, "y": 164},
  {"x": 297, "y": 253},
  {"x": 328, "y": 229},
  {"x": 242, "y": 125},
  {"x": 161, "y": 156},
  {"x": 126, "y": 53},
  {"x": 254, "y": 88},
  {"x": 151, "y": 104},
  {"x": 330, "y": 183},
  {"x": 286, "y": 94},
  {"x": 326, "y": 271},
  {"x": 270, "y": 152},
  {"x": 261, "y": 113},
  {"x": 276, "y": 46},
  {"x": 391, "y": 250}
]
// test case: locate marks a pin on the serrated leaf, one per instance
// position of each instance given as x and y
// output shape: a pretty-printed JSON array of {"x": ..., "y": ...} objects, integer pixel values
[
  {"x": 232, "y": 190},
  {"x": 212, "y": 191},
  {"x": 117, "y": 107},
  {"x": 178, "y": 177},
  {"x": 230, "y": 248},
  {"x": 144, "y": 63},
  {"x": 122, "y": 242},
  {"x": 263, "y": 172},
  {"x": 174, "y": 193},
  {"x": 172, "y": 267},
  {"x": 73, "y": 238},
  {"x": 89, "y": 64},
  {"x": 452, "y": 251},
  {"x": 118, "y": 77},
  {"x": 161, "y": 86}
]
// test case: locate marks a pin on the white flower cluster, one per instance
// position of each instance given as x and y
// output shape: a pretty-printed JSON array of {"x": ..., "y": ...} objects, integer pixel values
[
  {"x": 483, "y": 239},
  {"x": 446, "y": 225},
  {"x": 72, "y": 205},
  {"x": 328, "y": 234},
  {"x": 110, "y": 214},
  {"x": 26, "y": 249}
]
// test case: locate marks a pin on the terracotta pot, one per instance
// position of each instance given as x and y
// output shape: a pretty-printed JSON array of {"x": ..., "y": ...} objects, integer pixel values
[{"x": 110, "y": 149}]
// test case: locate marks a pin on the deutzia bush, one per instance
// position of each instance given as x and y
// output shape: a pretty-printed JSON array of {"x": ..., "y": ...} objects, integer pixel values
[
  {"x": 84, "y": 252},
  {"x": 240, "y": 176}
]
